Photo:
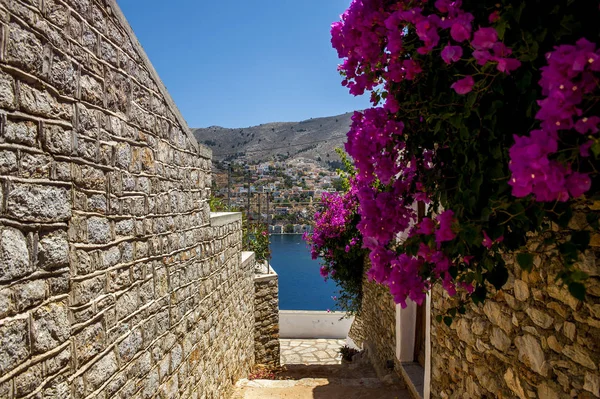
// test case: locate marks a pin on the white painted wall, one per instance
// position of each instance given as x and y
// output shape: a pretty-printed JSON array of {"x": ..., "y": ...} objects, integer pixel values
[{"x": 313, "y": 324}]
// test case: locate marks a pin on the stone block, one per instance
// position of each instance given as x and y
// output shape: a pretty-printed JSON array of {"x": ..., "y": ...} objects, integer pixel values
[
  {"x": 87, "y": 290},
  {"x": 539, "y": 317},
  {"x": 118, "y": 279},
  {"x": 57, "y": 139},
  {"x": 108, "y": 52},
  {"x": 101, "y": 371},
  {"x": 109, "y": 257},
  {"x": 14, "y": 255},
  {"x": 87, "y": 149},
  {"x": 98, "y": 230},
  {"x": 39, "y": 102},
  {"x": 14, "y": 336},
  {"x": 130, "y": 346},
  {"x": 29, "y": 380},
  {"x": 124, "y": 227},
  {"x": 35, "y": 166},
  {"x": 50, "y": 327},
  {"x": 63, "y": 74},
  {"x": 22, "y": 132},
  {"x": 89, "y": 342},
  {"x": 97, "y": 203},
  {"x": 592, "y": 383},
  {"x": 123, "y": 156},
  {"x": 500, "y": 340},
  {"x": 24, "y": 50},
  {"x": 151, "y": 384},
  {"x": 580, "y": 355},
  {"x": 87, "y": 121},
  {"x": 531, "y": 354},
  {"x": 57, "y": 13},
  {"x": 53, "y": 250},
  {"x": 127, "y": 303},
  {"x": 92, "y": 89},
  {"x": 29, "y": 294},
  {"x": 8, "y": 162},
  {"x": 89, "y": 177},
  {"x": 57, "y": 362},
  {"x": 7, "y": 91},
  {"x": 40, "y": 203}
]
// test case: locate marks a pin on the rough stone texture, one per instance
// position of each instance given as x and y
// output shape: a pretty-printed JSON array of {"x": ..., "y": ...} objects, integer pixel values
[
  {"x": 538, "y": 341},
  {"x": 266, "y": 317},
  {"x": 115, "y": 282},
  {"x": 375, "y": 328}
]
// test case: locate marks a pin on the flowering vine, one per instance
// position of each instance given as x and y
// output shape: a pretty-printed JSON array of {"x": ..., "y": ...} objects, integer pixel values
[
  {"x": 337, "y": 242},
  {"x": 454, "y": 102}
]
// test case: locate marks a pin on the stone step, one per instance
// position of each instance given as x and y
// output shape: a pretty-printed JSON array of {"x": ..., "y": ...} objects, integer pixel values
[
  {"x": 311, "y": 382},
  {"x": 321, "y": 388}
]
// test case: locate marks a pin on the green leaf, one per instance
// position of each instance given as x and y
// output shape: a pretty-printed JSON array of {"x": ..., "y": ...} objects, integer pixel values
[
  {"x": 593, "y": 220},
  {"x": 577, "y": 290},
  {"x": 448, "y": 321},
  {"x": 498, "y": 276},
  {"x": 525, "y": 260},
  {"x": 479, "y": 295},
  {"x": 471, "y": 99},
  {"x": 565, "y": 218},
  {"x": 581, "y": 239},
  {"x": 578, "y": 275},
  {"x": 569, "y": 252},
  {"x": 596, "y": 148},
  {"x": 439, "y": 318}
]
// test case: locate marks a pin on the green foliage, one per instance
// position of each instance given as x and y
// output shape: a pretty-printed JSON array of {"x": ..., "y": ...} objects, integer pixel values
[
  {"x": 474, "y": 132},
  {"x": 256, "y": 239},
  {"x": 255, "y": 236}
]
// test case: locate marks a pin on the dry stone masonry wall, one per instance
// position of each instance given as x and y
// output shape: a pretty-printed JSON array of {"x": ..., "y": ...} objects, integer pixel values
[
  {"x": 531, "y": 340},
  {"x": 266, "y": 316},
  {"x": 375, "y": 328},
  {"x": 113, "y": 280}
]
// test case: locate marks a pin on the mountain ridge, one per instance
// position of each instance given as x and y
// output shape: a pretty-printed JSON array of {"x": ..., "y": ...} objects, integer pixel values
[{"x": 314, "y": 139}]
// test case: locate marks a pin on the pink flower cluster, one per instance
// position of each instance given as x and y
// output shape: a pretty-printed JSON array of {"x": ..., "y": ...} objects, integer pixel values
[
  {"x": 569, "y": 78},
  {"x": 371, "y": 39},
  {"x": 332, "y": 226},
  {"x": 386, "y": 187},
  {"x": 330, "y": 223}
]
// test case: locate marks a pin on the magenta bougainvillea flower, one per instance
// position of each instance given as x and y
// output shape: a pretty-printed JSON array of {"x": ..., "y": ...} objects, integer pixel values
[
  {"x": 451, "y": 54},
  {"x": 464, "y": 85},
  {"x": 388, "y": 49}
]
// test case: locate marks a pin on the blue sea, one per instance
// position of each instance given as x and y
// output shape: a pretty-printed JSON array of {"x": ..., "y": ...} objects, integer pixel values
[{"x": 301, "y": 287}]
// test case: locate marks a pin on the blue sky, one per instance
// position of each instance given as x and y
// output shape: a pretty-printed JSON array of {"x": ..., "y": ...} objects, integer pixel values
[{"x": 239, "y": 63}]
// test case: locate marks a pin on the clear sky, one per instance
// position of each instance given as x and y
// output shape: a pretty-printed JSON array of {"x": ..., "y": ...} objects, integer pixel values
[{"x": 239, "y": 63}]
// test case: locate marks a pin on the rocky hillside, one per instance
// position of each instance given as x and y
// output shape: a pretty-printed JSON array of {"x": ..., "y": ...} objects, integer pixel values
[{"x": 314, "y": 139}]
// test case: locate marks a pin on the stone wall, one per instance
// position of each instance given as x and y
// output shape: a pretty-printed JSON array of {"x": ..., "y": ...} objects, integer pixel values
[
  {"x": 114, "y": 279},
  {"x": 531, "y": 340},
  {"x": 375, "y": 328},
  {"x": 266, "y": 317}
]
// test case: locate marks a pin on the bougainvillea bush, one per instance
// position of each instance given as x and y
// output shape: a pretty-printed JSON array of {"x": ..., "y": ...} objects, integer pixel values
[
  {"x": 337, "y": 241},
  {"x": 486, "y": 111}
]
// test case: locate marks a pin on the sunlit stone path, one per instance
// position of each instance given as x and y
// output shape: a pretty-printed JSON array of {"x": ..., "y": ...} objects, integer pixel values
[
  {"x": 313, "y": 369},
  {"x": 311, "y": 351}
]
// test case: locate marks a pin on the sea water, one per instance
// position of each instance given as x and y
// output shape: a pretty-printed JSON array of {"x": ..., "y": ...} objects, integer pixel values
[{"x": 301, "y": 287}]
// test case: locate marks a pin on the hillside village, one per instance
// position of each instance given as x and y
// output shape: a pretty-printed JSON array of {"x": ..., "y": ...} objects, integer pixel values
[{"x": 283, "y": 194}]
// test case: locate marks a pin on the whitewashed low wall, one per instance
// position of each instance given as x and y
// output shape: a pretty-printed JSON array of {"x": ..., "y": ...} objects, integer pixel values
[{"x": 313, "y": 324}]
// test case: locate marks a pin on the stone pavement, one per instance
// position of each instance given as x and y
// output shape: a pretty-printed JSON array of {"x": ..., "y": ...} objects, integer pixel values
[
  {"x": 311, "y": 351},
  {"x": 313, "y": 370}
]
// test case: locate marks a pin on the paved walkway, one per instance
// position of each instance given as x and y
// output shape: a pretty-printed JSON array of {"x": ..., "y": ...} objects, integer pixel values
[
  {"x": 313, "y": 370},
  {"x": 311, "y": 351}
]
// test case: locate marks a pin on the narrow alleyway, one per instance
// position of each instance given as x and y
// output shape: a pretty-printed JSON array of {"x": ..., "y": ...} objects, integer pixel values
[{"x": 313, "y": 369}]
